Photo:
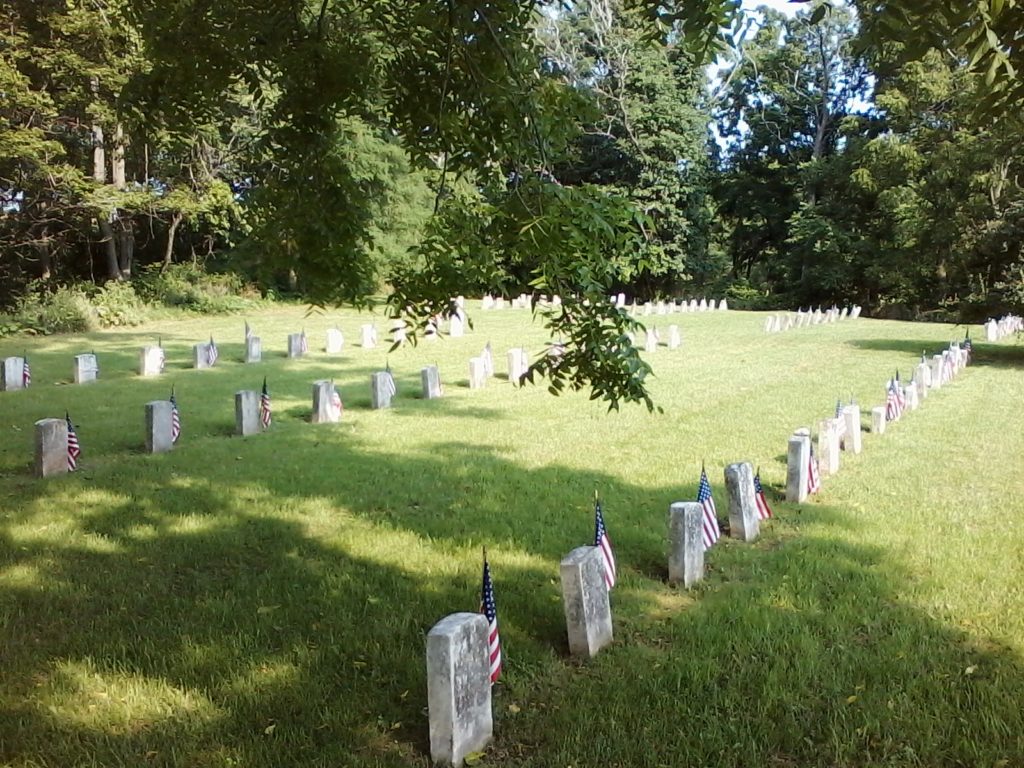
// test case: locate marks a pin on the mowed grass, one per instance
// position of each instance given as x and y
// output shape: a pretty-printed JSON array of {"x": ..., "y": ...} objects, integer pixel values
[{"x": 264, "y": 601}]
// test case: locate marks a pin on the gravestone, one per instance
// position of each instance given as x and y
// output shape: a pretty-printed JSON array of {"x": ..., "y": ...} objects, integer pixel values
[
  {"x": 325, "y": 410},
  {"x": 51, "y": 447},
  {"x": 201, "y": 356},
  {"x": 769, "y": 324},
  {"x": 651, "y": 340},
  {"x": 13, "y": 374},
  {"x": 828, "y": 447},
  {"x": 458, "y": 688},
  {"x": 686, "y": 543},
  {"x": 253, "y": 349},
  {"x": 910, "y": 396},
  {"x": 398, "y": 333},
  {"x": 295, "y": 345},
  {"x": 516, "y": 364},
  {"x": 159, "y": 432},
  {"x": 477, "y": 373},
  {"x": 674, "y": 339},
  {"x": 991, "y": 331},
  {"x": 247, "y": 412},
  {"x": 937, "y": 372},
  {"x": 661, "y": 309},
  {"x": 151, "y": 361},
  {"x": 703, "y": 306},
  {"x": 798, "y": 457},
  {"x": 86, "y": 368},
  {"x": 878, "y": 420},
  {"x": 456, "y": 326},
  {"x": 923, "y": 378},
  {"x": 382, "y": 389},
  {"x": 647, "y": 308},
  {"x": 588, "y": 614},
  {"x": 711, "y": 305},
  {"x": 430, "y": 377},
  {"x": 620, "y": 301},
  {"x": 852, "y": 441},
  {"x": 743, "y": 518},
  {"x": 723, "y": 305},
  {"x": 368, "y": 336},
  {"x": 335, "y": 341}
]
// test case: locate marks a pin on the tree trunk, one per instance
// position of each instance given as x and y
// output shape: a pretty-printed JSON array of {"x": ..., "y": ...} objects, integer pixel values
[
  {"x": 110, "y": 247},
  {"x": 99, "y": 156},
  {"x": 117, "y": 161},
  {"x": 171, "y": 232},
  {"x": 126, "y": 247}
]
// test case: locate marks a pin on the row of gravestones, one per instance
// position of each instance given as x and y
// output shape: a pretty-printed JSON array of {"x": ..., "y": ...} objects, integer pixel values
[
  {"x": 1004, "y": 326},
  {"x": 458, "y": 647},
  {"x": 673, "y": 307},
  {"x": 800, "y": 319}
]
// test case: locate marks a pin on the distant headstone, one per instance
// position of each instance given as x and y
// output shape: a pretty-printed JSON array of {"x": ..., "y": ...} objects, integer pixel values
[
  {"x": 86, "y": 368},
  {"x": 878, "y": 420},
  {"x": 739, "y": 485},
  {"x": 923, "y": 379},
  {"x": 335, "y": 341},
  {"x": 13, "y": 373},
  {"x": 693, "y": 305},
  {"x": 325, "y": 410},
  {"x": 516, "y": 365},
  {"x": 458, "y": 688},
  {"x": 456, "y": 326},
  {"x": 661, "y": 308},
  {"x": 382, "y": 389},
  {"x": 686, "y": 543},
  {"x": 296, "y": 347},
  {"x": 852, "y": 442},
  {"x": 992, "y": 331},
  {"x": 159, "y": 432},
  {"x": 588, "y": 614},
  {"x": 368, "y": 336},
  {"x": 253, "y": 349},
  {"x": 647, "y": 308},
  {"x": 723, "y": 305},
  {"x": 703, "y": 306},
  {"x": 247, "y": 412},
  {"x": 712, "y": 305},
  {"x": 201, "y": 356},
  {"x": 51, "y": 447},
  {"x": 651, "y": 340},
  {"x": 937, "y": 372},
  {"x": 477, "y": 373},
  {"x": 430, "y": 376},
  {"x": 620, "y": 301},
  {"x": 828, "y": 447},
  {"x": 798, "y": 458},
  {"x": 674, "y": 339},
  {"x": 151, "y": 361},
  {"x": 910, "y": 396},
  {"x": 398, "y": 334}
]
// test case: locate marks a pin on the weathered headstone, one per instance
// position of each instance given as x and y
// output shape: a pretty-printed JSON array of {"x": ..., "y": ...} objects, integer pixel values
[
  {"x": 739, "y": 485},
  {"x": 368, "y": 336},
  {"x": 723, "y": 305},
  {"x": 516, "y": 364},
  {"x": 923, "y": 379},
  {"x": 382, "y": 389},
  {"x": 852, "y": 441},
  {"x": 910, "y": 396},
  {"x": 296, "y": 345},
  {"x": 651, "y": 340},
  {"x": 13, "y": 373},
  {"x": 458, "y": 688},
  {"x": 159, "y": 429},
  {"x": 588, "y": 613},
  {"x": 151, "y": 361},
  {"x": 828, "y": 447},
  {"x": 325, "y": 410},
  {"x": 686, "y": 543},
  {"x": 430, "y": 377},
  {"x": 878, "y": 420},
  {"x": 674, "y": 339},
  {"x": 456, "y": 326},
  {"x": 937, "y": 372},
  {"x": 51, "y": 447},
  {"x": 991, "y": 331},
  {"x": 798, "y": 458},
  {"x": 247, "y": 412},
  {"x": 201, "y": 356},
  {"x": 253, "y": 349},
  {"x": 86, "y": 368},
  {"x": 477, "y": 373}
]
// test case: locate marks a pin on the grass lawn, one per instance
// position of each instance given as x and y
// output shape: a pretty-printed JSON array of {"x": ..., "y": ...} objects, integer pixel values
[{"x": 264, "y": 601}]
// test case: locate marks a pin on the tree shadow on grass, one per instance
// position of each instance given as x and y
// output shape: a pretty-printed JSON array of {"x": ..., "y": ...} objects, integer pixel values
[
  {"x": 1007, "y": 354},
  {"x": 256, "y": 616}
]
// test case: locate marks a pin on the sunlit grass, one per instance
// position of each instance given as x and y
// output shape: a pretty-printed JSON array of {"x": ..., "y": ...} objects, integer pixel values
[{"x": 263, "y": 601}]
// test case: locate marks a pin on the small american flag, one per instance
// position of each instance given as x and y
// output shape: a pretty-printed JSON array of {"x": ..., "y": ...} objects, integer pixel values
[
  {"x": 336, "y": 401},
  {"x": 892, "y": 402},
  {"x": 163, "y": 355},
  {"x": 265, "y": 410},
  {"x": 74, "y": 449},
  {"x": 763, "y": 510},
  {"x": 900, "y": 396},
  {"x": 26, "y": 372},
  {"x": 390, "y": 390},
  {"x": 813, "y": 478},
  {"x": 248, "y": 331},
  {"x": 967, "y": 347},
  {"x": 840, "y": 421},
  {"x": 489, "y": 609},
  {"x": 602, "y": 542},
  {"x": 175, "y": 419},
  {"x": 303, "y": 343},
  {"x": 211, "y": 353},
  {"x": 711, "y": 530}
]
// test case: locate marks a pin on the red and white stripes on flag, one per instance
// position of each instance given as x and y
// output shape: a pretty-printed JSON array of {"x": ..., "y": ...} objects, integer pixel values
[
  {"x": 336, "y": 401},
  {"x": 74, "y": 449},
  {"x": 602, "y": 542},
  {"x": 490, "y": 609},
  {"x": 265, "y": 409},
  {"x": 764, "y": 512},
  {"x": 711, "y": 530},
  {"x": 175, "y": 419},
  {"x": 211, "y": 353},
  {"x": 813, "y": 477},
  {"x": 303, "y": 343},
  {"x": 26, "y": 372}
]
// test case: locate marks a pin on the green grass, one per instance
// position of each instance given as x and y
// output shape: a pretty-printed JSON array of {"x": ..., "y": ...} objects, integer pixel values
[{"x": 264, "y": 601}]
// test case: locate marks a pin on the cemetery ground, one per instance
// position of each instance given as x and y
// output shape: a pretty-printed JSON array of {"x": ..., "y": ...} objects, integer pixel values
[{"x": 263, "y": 601}]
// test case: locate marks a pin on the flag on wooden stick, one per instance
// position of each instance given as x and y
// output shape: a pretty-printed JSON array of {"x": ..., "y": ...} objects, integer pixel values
[
  {"x": 490, "y": 609},
  {"x": 602, "y": 542},
  {"x": 711, "y": 530},
  {"x": 26, "y": 371},
  {"x": 764, "y": 512},
  {"x": 175, "y": 419},
  {"x": 265, "y": 410},
  {"x": 74, "y": 449}
]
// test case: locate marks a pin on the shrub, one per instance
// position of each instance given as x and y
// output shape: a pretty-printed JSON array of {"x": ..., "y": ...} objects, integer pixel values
[
  {"x": 189, "y": 287},
  {"x": 64, "y": 310},
  {"x": 117, "y": 304}
]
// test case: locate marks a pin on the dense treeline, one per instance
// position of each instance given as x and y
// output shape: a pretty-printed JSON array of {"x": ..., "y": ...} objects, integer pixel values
[{"x": 334, "y": 149}]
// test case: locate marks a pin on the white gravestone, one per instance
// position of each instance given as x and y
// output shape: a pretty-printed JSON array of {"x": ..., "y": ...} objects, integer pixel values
[
  {"x": 159, "y": 429},
  {"x": 703, "y": 306},
  {"x": 368, "y": 336},
  {"x": 151, "y": 361},
  {"x": 324, "y": 409},
  {"x": 739, "y": 485},
  {"x": 651, "y": 340},
  {"x": 398, "y": 333},
  {"x": 923, "y": 379},
  {"x": 200, "y": 356},
  {"x": 769, "y": 324},
  {"x": 253, "y": 349},
  {"x": 686, "y": 543},
  {"x": 516, "y": 365},
  {"x": 335, "y": 341},
  {"x": 588, "y": 614},
  {"x": 247, "y": 412},
  {"x": 798, "y": 458},
  {"x": 458, "y": 688},
  {"x": 382, "y": 389},
  {"x": 13, "y": 374},
  {"x": 674, "y": 339},
  {"x": 991, "y": 331},
  {"x": 828, "y": 447},
  {"x": 910, "y": 396},
  {"x": 295, "y": 345},
  {"x": 852, "y": 441},
  {"x": 430, "y": 377},
  {"x": 878, "y": 420},
  {"x": 937, "y": 372},
  {"x": 723, "y": 305},
  {"x": 51, "y": 447},
  {"x": 456, "y": 326},
  {"x": 477, "y": 373},
  {"x": 86, "y": 368},
  {"x": 711, "y": 305}
]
